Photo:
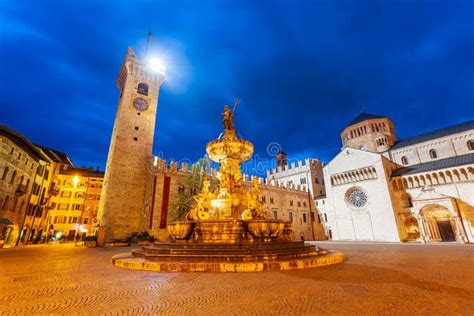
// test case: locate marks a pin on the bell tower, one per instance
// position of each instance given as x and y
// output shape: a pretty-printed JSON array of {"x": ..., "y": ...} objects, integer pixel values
[{"x": 121, "y": 205}]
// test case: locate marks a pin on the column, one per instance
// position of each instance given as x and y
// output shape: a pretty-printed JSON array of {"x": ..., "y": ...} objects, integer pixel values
[
  {"x": 421, "y": 225},
  {"x": 460, "y": 231}
]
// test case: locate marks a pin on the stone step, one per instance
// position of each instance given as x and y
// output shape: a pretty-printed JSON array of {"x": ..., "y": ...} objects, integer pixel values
[
  {"x": 225, "y": 258},
  {"x": 256, "y": 245},
  {"x": 236, "y": 251}
]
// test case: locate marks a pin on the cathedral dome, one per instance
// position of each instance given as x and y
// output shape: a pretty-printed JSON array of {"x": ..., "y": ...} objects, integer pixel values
[
  {"x": 364, "y": 117},
  {"x": 369, "y": 132}
]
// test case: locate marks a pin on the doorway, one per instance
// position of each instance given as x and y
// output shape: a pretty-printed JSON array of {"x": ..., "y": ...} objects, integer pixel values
[
  {"x": 439, "y": 223},
  {"x": 446, "y": 230}
]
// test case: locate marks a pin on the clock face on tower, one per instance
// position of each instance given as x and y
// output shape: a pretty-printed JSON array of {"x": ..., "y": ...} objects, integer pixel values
[{"x": 140, "y": 104}]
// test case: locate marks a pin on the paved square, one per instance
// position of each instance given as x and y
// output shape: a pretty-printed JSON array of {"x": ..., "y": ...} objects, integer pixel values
[{"x": 395, "y": 279}]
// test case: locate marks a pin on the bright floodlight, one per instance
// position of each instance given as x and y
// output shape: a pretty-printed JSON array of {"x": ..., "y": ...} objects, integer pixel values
[{"x": 157, "y": 65}]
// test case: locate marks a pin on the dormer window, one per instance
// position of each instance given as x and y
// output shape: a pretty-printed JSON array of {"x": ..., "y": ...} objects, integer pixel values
[
  {"x": 142, "y": 88},
  {"x": 404, "y": 160},
  {"x": 433, "y": 154}
]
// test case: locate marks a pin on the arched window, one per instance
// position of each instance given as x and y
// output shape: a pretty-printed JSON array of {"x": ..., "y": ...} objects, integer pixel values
[
  {"x": 5, "y": 173},
  {"x": 12, "y": 180},
  {"x": 407, "y": 200},
  {"x": 142, "y": 88},
  {"x": 5, "y": 202},
  {"x": 470, "y": 145},
  {"x": 405, "y": 160},
  {"x": 433, "y": 154}
]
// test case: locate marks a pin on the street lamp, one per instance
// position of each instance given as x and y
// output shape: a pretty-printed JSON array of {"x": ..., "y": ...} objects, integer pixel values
[{"x": 75, "y": 181}]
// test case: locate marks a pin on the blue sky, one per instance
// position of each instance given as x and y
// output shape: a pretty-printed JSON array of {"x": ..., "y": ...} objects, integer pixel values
[{"x": 300, "y": 68}]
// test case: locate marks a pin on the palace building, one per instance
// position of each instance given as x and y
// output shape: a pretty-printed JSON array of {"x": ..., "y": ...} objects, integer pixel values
[
  {"x": 379, "y": 188},
  {"x": 42, "y": 195},
  {"x": 28, "y": 172},
  {"x": 74, "y": 202}
]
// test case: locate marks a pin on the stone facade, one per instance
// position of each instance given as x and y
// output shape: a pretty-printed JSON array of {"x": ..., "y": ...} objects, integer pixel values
[
  {"x": 27, "y": 177},
  {"x": 287, "y": 203},
  {"x": 75, "y": 203},
  {"x": 441, "y": 144},
  {"x": 122, "y": 205},
  {"x": 369, "y": 132},
  {"x": 308, "y": 174},
  {"x": 419, "y": 189}
]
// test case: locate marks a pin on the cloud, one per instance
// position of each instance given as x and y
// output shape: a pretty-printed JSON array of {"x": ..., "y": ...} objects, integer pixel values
[{"x": 301, "y": 69}]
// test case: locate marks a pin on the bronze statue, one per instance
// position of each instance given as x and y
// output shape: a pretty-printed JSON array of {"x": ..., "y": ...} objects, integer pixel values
[{"x": 227, "y": 118}]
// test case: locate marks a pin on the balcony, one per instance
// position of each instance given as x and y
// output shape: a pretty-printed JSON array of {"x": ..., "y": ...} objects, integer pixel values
[
  {"x": 21, "y": 190},
  {"x": 54, "y": 191}
]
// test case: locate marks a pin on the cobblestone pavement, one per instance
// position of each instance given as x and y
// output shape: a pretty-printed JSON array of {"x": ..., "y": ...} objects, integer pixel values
[{"x": 382, "y": 279}]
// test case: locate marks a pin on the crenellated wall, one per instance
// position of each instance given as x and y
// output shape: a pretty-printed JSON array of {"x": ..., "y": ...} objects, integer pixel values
[
  {"x": 288, "y": 203},
  {"x": 308, "y": 174}
]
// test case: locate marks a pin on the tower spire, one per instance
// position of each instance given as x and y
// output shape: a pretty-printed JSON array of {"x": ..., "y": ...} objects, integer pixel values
[{"x": 148, "y": 42}]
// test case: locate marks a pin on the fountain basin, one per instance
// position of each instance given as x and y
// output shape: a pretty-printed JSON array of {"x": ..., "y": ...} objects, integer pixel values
[
  {"x": 181, "y": 230},
  {"x": 223, "y": 148},
  {"x": 220, "y": 231},
  {"x": 266, "y": 228}
]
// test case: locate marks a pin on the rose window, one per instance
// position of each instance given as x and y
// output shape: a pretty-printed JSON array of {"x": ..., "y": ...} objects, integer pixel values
[{"x": 356, "y": 197}]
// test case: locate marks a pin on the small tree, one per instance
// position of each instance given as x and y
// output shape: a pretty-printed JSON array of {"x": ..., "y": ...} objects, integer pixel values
[{"x": 192, "y": 185}]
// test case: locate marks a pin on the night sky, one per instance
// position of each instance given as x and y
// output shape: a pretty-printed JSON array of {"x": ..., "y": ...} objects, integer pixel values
[{"x": 301, "y": 69}]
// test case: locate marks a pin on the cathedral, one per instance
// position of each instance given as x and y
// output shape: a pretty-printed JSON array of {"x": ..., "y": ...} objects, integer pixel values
[{"x": 379, "y": 188}]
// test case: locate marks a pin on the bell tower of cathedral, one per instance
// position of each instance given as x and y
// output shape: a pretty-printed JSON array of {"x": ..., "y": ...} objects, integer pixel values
[
  {"x": 369, "y": 132},
  {"x": 122, "y": 202}
]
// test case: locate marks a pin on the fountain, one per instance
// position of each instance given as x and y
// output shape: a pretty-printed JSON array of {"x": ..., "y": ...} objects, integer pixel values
[{"x": 227, "y": 230}]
